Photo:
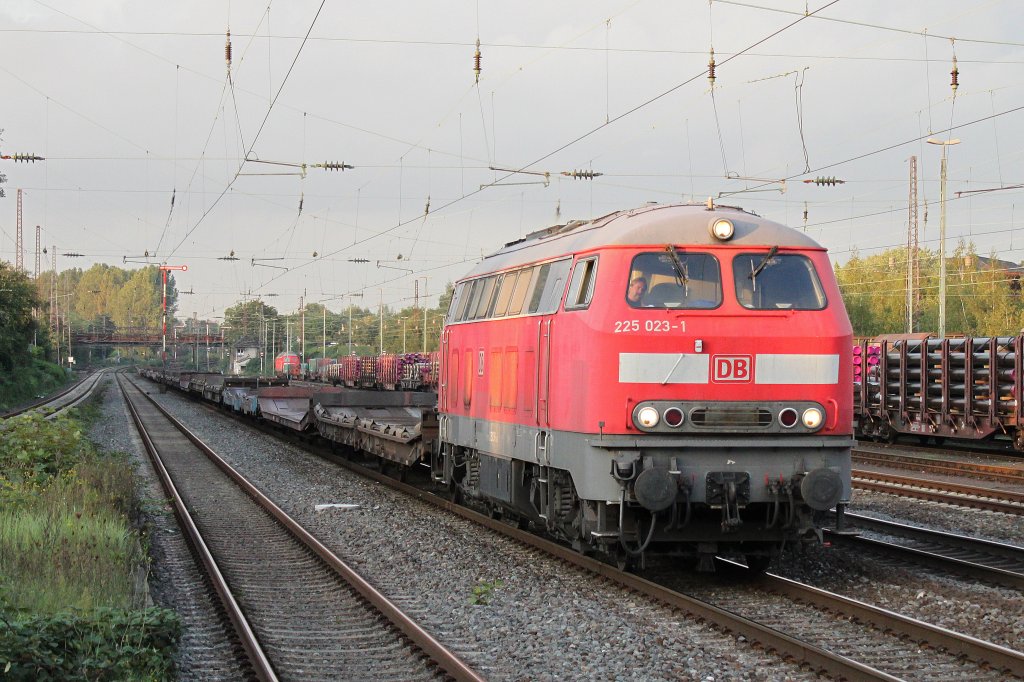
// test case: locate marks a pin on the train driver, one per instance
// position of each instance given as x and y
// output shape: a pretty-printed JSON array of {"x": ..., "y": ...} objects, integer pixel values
[{"x": 636, "y": 291}]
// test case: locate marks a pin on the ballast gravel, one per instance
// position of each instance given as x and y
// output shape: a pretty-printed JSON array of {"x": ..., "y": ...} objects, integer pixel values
[
  {"x": 205, "y": 653},
  {"x": 539, "y": 620}
]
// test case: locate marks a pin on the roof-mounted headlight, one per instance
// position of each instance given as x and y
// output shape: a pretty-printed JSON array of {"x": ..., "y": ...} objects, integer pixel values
[{"x": 722, "y": 229}]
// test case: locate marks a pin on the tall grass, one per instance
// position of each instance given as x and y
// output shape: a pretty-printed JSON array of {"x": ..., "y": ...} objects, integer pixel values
[
  {"x": 65, "y": 536},
  {"x": 69, "y": 547},
  {"x": 70, "y": 598}
]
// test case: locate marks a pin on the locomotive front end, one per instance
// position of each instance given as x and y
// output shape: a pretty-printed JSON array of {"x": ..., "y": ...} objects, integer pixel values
[
  {"x": 731, "y": 360},
  {"x": 670, "y": 379}
]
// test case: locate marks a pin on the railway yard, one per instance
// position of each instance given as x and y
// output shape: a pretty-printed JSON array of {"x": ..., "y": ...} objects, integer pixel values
[{"x": 506, "y": 610}]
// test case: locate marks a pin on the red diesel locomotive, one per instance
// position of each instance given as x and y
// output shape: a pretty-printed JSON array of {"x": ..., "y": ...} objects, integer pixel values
[{"x": 674, "y": 378}]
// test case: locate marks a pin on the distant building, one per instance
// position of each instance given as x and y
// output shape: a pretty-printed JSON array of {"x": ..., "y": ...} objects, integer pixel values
[
  {"x": 247, "y": 349},
  {"x": 1014, "y": 272}
]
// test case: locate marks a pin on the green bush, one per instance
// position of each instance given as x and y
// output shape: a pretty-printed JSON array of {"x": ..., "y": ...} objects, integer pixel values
[
  {"x": 34, "y": 450},
  {"x": 36, "y": 377},
  {"x": 104, "y": 644}
]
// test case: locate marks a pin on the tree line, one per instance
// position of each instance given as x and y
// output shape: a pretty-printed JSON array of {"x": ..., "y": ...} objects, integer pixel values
[
  {"x": 984, "y": 298},
  {"x": 983, "y": 294}
]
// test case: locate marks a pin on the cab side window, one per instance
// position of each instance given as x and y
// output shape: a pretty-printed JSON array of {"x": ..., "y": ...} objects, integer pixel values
[{"x": 581, "y": 286}]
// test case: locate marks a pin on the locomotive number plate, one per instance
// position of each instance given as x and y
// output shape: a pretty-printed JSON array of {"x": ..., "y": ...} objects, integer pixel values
[{"x": 649, "y": 326}]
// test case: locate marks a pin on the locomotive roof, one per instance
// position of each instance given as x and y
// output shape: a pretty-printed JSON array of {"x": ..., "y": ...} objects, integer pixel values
[{"x": 651, "y": 224}]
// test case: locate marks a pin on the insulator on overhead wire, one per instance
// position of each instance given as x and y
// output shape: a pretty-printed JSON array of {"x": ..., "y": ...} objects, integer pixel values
[
  {"x": 476, "y": 61},
  {"x": 954, "y": 76},
  {"x": 711, "y": 69},
  {"x": 227, "y": 49},
  {"x": 582, "y": 174},
  {"x": 825, "y": 181},
  {"x": 27, "y": 158},
  {"x": 302, "y": 197},
  {"x": 426, "y": 209},
  {"x": 805, "y": 211},
  {"x": 336, "y": 165}
]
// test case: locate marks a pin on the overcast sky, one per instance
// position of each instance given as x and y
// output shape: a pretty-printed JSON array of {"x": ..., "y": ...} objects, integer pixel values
[{"x": 131, "y": 104}]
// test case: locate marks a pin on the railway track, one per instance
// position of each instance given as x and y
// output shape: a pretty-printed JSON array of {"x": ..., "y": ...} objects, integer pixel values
[
  {"x": 830, "y": 633},
  {"x": 298, "y": 611},
  {"x": 824, "y": 631},
  {"x": 995, "y": 562},
  {"x": 999, "y": 473},
  {"x": 947, "y": 492},
  {"x": 67, "y": 398}
]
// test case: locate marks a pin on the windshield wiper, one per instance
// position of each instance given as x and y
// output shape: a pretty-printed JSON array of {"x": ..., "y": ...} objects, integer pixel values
[
  {"x": 754, "y": 272},
  {"x": 678, "y": 265}
]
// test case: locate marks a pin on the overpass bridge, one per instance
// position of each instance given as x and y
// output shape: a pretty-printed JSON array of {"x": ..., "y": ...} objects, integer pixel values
[{"x": 142, "y": 337}]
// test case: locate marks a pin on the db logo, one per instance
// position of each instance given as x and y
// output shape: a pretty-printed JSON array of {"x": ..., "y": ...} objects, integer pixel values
[{"x": 736, "y": 368}]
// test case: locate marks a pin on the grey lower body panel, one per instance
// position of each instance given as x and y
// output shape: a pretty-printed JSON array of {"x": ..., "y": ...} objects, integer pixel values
[{"x": 589, "y": 457}]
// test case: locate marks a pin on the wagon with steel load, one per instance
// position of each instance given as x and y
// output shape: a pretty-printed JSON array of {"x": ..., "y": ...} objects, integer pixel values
[{"x": 962, "y": 388}]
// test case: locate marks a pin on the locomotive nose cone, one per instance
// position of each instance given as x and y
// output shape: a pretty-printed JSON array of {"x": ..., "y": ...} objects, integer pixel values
[
  {"x": 655, "y": 489},
  {"x": 822, "y": 489}
]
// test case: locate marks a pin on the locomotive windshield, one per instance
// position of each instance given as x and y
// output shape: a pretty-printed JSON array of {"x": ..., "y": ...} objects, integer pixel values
[
  {"x": 772, "y": 281},
  {"x": 674, "y": 279}
]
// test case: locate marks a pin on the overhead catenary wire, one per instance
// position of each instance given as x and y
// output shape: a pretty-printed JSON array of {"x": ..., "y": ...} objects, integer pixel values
[
  {"x": 600, "y": 127},
  {"x": 259, "y": 131},
  {"x": 439, "y": 197}
]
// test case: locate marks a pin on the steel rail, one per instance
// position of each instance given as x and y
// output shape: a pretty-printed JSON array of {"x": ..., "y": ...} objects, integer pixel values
[
  {"x": 785, "y": 645},
  {"x": 55, "y": 397},
  {"x": 86, "y": 394},
  {"x": 993, "y": 472},
  {"x": 446, "y": 660},
  {"x": 980, "y": 651},
  {"x": 257, "y": 657},
  {"x": 974, "y": 569},
  {"x": 1004, "y": 501}
]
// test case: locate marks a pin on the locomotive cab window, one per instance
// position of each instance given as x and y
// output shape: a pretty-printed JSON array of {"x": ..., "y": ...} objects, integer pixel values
[
  {"x": 674, "y": 279},
  {"x": 773, "y": 281},
  {"x": 581, "y": 286}
]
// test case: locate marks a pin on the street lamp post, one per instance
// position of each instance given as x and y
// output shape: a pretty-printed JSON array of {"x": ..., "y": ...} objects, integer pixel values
[{"x": 942, "y": 234}]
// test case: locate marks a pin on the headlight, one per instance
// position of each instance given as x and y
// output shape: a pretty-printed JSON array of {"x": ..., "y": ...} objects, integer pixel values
[
  {"x": 647, "y": 417},
  {"x": 812, "y": 418},
  {"x": 722, "y": 229}
]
